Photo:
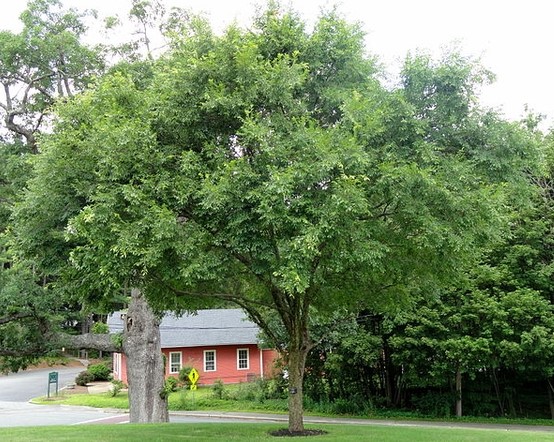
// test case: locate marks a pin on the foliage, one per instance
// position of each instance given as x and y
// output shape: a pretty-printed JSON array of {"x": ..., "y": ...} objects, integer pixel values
[
  {"x": 44, "y": 62},
  {"x": 171, "y": 384},
  {"x": 84, "y": 378},
  {"x": 381, "y": 228},
  {"x": 100, "y": 328},
  {"x": 435, "y": 404},
  {"x": 270, "y": 168},
  {"x": 184, "y": 375},
  {"x": 218, "y": 390},
  {"x": 260, "y": 390},
  {"x": 100, "y": 371},
  {"x": 116, "y": 388}
]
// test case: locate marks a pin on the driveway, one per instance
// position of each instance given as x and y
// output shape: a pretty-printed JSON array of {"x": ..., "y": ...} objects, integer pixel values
[
  {"x": 17, "y": 389},
  {"x": 25, "y": 385}
]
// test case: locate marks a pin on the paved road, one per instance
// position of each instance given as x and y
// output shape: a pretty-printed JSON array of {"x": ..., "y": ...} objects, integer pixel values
[
  {"x": 17, "y": 389},
  {"x": 25, "y": 385}
]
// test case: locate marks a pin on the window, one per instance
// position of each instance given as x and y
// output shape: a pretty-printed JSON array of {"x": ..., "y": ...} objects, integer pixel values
[
  {"x": 209, "y": 360},
  {"x": 243, "y": 359},
  {"x": 175, "y": 362}
]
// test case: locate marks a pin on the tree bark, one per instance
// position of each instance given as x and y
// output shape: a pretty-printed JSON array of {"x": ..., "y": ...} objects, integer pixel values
[
  {"x": 298, "y": 352},
  {"x": 550, "y": 389},
  {"x": 297, "y": 361},
  {"x": 89, "y": 340},
  {"x": 145, "y": 367},
  {"x": 458, "y": 392}
]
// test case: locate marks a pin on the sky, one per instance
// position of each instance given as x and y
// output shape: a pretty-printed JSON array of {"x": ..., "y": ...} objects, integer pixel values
[{"x": 513, "y": 38}]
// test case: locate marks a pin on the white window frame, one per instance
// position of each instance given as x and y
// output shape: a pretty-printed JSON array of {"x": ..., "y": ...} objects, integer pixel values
[
  {"x": 247, "y": 350},
  {"x": 206, "y": 352},
  {"x": 171, "y": 363}
]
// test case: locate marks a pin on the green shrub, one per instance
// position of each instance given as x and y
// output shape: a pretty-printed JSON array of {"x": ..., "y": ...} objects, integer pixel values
[
  {"x": 117, "y": 386},
  {"x": 218, "y": 390},
  {"x": 184, "y": 375},
  {"x": 171, "y": 384},
  {"x": 84, "y": 378},
  {"x": 99, "y": 372},
  {"x": 435, "y": 404},
  {"x": 100, "y": 328}
]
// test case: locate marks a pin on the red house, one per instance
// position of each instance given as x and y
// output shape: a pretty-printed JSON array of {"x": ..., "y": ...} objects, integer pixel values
[{"x": 220, "y": 344}]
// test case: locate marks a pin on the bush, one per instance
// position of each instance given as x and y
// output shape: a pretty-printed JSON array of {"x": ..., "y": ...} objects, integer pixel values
[
  {"x": 171, "y": 384},
  {"x": 259, "y": 390},
  {"x": 99, "y": 372},
  {"x": 84, "y": 378},
  {"x": 183, "y": 375},
  {"x": 435, "y": 404},
  {"x": 117, "y": 386},
  {"x": 218, "y": 390}
]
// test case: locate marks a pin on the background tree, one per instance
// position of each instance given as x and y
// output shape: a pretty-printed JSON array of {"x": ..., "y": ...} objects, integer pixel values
[{"x": 45, "y": 62}]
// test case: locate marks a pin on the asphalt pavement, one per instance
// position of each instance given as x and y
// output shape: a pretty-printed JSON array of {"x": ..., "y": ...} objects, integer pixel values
[{"x": 25, "y": 385}]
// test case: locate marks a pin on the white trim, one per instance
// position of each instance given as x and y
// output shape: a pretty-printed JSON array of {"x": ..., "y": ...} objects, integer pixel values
[
  {"x": 117, "y": 365},
  {"x": 170, "y": 362},
  {"x": 247, "y": 350},
  {"x": 261, "y": 363},
  {"x": 214, "y": 361}
]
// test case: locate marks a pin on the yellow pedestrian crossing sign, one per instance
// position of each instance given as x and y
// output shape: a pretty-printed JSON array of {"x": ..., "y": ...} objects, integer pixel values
[{"x": 193, "y": 378}]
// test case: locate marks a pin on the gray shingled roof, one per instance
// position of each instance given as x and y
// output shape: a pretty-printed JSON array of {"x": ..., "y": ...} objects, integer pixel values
[{"x": 206, "y": 328}]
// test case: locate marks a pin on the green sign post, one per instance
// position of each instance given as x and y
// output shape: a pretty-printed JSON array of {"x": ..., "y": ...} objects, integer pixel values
[{"x": 52, "y": 379}]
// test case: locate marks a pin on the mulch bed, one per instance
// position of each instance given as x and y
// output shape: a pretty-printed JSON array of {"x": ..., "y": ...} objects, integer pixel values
[{"x": 285, "y": 432}]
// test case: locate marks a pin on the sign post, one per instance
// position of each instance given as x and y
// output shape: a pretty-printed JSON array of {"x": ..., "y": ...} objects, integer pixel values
[{"x": 52, "y": 379}]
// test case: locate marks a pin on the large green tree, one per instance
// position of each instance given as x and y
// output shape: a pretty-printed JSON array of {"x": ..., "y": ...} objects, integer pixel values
[{"x": 272, "y": 169}]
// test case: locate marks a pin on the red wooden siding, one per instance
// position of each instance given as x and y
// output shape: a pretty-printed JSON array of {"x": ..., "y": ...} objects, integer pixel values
[{"x": 261, "y": 363}]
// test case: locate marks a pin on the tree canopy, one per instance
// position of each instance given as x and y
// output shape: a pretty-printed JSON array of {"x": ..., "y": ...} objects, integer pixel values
[{"x": 271, "y": 168}]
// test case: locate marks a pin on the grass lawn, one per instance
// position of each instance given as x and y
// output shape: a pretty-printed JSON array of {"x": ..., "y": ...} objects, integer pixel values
[
  {"x": 259, "y": 432},
  {"x": 182, "y": 400}
]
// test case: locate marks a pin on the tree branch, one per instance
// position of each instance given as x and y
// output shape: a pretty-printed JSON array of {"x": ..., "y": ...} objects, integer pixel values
[
  {"x": 103, "y": 342},
  {"x": 14, "y": 317}
]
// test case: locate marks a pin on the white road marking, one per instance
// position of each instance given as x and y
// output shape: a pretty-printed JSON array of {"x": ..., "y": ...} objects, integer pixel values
[{"x": 92, "y": 421}]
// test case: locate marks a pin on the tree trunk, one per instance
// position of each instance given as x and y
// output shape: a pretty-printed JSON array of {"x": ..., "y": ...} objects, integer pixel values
[
  {"x": 550, "y": 398},
  {"x": 145, "y": 367},
  {"x": 296, "y": 365},
  {"x": 497, "y": 391},
  {"x": 458, "y": 392}
]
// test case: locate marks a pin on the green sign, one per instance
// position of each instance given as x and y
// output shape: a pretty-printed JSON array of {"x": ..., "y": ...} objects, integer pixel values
[{"x": 52, "y": 379}]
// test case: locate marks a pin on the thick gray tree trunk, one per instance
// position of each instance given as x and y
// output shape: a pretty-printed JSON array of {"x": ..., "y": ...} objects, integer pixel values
[{"x": 145, "y": 367}]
